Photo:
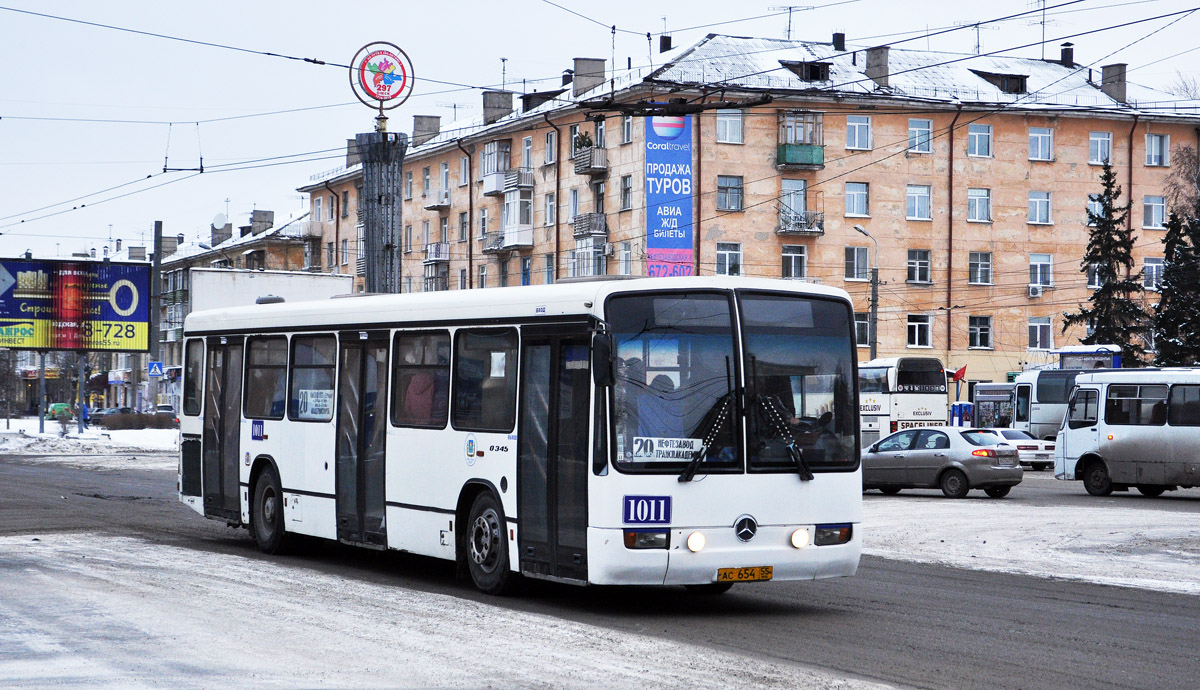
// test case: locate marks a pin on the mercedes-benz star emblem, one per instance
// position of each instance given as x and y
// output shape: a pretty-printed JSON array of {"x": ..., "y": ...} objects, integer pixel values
[{"x": 745, "y": 528}]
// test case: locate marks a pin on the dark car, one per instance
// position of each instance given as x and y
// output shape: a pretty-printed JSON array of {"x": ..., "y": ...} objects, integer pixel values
[
  {"x": 954, "y": 459},
  {"x": 100, "y": 417}
]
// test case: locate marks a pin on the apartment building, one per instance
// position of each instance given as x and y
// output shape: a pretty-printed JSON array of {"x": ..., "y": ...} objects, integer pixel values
[{"x": 965, "y": 179}]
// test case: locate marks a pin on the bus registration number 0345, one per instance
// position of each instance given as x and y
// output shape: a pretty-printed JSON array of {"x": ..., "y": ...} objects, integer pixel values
[{"x": 759, "y": 572}]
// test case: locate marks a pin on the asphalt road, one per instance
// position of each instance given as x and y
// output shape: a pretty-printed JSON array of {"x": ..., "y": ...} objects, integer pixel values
[{"x": 899, "y": 623}]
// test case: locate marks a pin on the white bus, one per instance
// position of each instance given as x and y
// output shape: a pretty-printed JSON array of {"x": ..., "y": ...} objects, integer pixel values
[
  {"x": 901, "y": 393},
  {"x": 1041, "y": 401},
  {"x": 1135, "y": 427},
  {"x": 658, "y": 431}
]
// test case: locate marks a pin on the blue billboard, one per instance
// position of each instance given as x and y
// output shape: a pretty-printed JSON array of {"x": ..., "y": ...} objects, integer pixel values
[{"x": 669, "y": 234}]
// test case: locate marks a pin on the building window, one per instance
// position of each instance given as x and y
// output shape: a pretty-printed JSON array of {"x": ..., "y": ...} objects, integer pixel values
[
  {"x": 408, "y": 283},
  {"x": 795, "y": 261},
  {"x": 1100, "y": 148},
  {"x": 1094, "y": 207},
  {"x": 979, "y": 140},
  {"x": 346, "y": 204},
  {"x": 503, "y": 272},
  {"x": 729, "y": 192},
  {"x": 573, "y": 203},
  {"x": 1158, "y": 149},
  {"x": 979, "y": 205},
  {"x": 627, "y": 129},
  {"x": 1039, "y": 208},
  {"x": 589, "y": 257},
  {"x": 1093, "y": 277},
  {"x": 862, "y": 328},
  {"x": 483, "y": 276},
  {"x": 1041, "y": 144},
  {"x": 856, "y": 263},
  {"x": 332, "y": 210},
  {"x": 424, "y": 232},
  {"x": 445, "y": 181},
  {"x": 517, "y": 209},
  {"x": 425, "y": 181},
  {"x": 463, "y": 226},
  {"x": 345, "y": 251},
  {"x": 802, "y": 127},
  {"x": 601, "y": 127},
  {"x": 317, "y": 201},
  {"x": 551, "y": 146},
  {"x": 625, "y": 259},
  {"x": 1153, "y": 211},
  {"x": 920, "y": 135},
  {"x": 483, "y": 222},
  {"x": 729, "y": 126},
  {"x": 526, "y": 270},
  {"x": 497, "y": 156},
  {"x": 573, "y": 138},
  {"x": 858, "y": 132},
  {"x": 1152, "y": 273},
  {"x": 408, "y": 185},
  {"x": 979, "y": 332},
  {"x": 598, "y": 197},
  {"x": 527, "y": 152},
  {"x": 626, "y": 192},
  {"x": 464, "y": 170},
  {"x": 917, "y": 202},
  {"x": 920, "y": 330},
  {"x": 444, "y": 234},
  {"x": 1041, "y": 270},
  {"x": 918, "y": 266},
  {"x": 551, "y": 208},
  {"x": 979, "y": 266},
  {"x": 729, "y": 258},
  {"x": 330, "y": 260},
  {"x": 1040, "y": 337},
  {"x": 857, "y": 199},
  {"x": 549, "y": 269},
  {"x": 462, "y": 279}
]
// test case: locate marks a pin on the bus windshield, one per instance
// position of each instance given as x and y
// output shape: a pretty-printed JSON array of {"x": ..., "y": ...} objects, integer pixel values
[
  {"x": 1055, "y": 386},
  {"x": 920, "y": 375},
  {"x": 873, "y": 380}
]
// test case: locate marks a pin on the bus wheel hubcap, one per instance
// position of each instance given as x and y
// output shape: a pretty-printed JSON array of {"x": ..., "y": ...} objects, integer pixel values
[
  {"x": 484, "y": 537},
  {"x": 269, "y": 507}
]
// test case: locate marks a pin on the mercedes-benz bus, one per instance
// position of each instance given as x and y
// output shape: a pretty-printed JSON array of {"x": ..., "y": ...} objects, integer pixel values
[{"x": 900, "y": 393}]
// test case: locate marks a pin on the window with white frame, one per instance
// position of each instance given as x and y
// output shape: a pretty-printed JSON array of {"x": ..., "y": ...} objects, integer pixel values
[
  {"x": 550, "y": 208},
  {"x": 1090, "y": 327},
  {"x": 408, "y": 185},
  {"x": 527, "y": 152},
  {"x": 425, "y": 181},
  {"x": 1093, "y": 276},
  {"x": 858, "y": 132},
  {"x": 1153, "y": 211},
  {"x": 445, "y": 170},
  {"x": 729, "y": 192},
  {"x": 424, "y": 233},
  {"x": 483, "y": 222},
  {"x": 598, "y": 196},
  {"x": 317, "y": 205},
  {"x": 496, "y": 156},
  {"x": 549, "y": 269},
  {"x": 795, "y": 261},
  {"x": 332, "y": 207},
  {"x": 572, "y": 138},
  {"x": 601, "y": 128},
  {"x": 1041, "y": 270},
  {"x": 1040, "y": 335},
  {"x": 857, "y": 199},
  {"x": 625, "y": 259},
  {"x": 1039, "y": 208},
  {"x": 979, "y": 332},
  {"x": 916, "y": 202},
  {"x": 1152, "y": 273},
  {"x": 573, "y": 202},
  {"x": 626, "y": 192},
  {"x": 517, "y": 209},
  {"x": 979, "y": 205},
  {"x": 1158, "y": 149},
  {"x": 920, "y": 135},
  {"x": 1099, "y": 148},
  {"x": 462, "y": 279},
  {"x": 444, "y": 231},
  {"x": 979, "y": 268},
  {"x": 463, "y": 226},
  {"x": 729, "y": 126},
  {"x": 729, "y": 258},
  {"x": 551, "y": 146},
  {"x": 1094, "y": 206},
  {"x": 407, "y": 240},
  {"x": 626, "y": 129},
  {"x": 918, "y": 266},
  {"x": 482, "y": 277},
  {"x": 920, "y": 330},
  {"x": 1041, "y": 144},
  {"x": 345, "y": 251},
  {"x": 856, "y": 263},
  {"x": 862, "y": 328},
  {"x": 979, "y": 140},
  {"x": 589, "y": 256},
  {"x": 464, "y": 171}
]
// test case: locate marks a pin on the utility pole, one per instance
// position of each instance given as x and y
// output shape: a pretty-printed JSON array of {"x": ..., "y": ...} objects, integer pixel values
[
  {"x": 155, "y": 298},
  {"x": 874, "y": 322}
]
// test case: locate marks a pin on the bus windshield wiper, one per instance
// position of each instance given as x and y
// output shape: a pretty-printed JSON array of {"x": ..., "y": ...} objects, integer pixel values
[
  {"x": 709, "y": 428},
  {"x": 771, "y": 408}
]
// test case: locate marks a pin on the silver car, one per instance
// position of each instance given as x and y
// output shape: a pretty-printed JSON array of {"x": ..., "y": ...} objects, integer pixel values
[
  {"x": 1031, "y": 452},
  {"x": 954, "y": 459}
]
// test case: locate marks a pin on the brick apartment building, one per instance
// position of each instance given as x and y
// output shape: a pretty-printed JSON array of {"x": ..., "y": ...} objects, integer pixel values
[{"x": 969, "y": 177}]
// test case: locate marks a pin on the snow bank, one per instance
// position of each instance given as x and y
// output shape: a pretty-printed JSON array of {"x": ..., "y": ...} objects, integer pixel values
[{"x": 95, "y": 448}]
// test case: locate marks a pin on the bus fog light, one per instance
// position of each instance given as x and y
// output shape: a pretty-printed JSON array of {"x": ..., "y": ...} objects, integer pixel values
[
  {"x": 833, "y": 534},
  {"x": 695, "y": 541},
  {"x": 800, "y": 538},
  {"x": 639, "y": 539}
]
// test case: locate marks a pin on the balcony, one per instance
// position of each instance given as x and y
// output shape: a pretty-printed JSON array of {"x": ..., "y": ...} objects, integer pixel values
[
  {"x": 508, "y": 239},
  {"x": 800, "y": 156},
  {"x": 493, "y": 183},
  {"x": 589, "y": 225},
  {"x": 436, "y": 283},
  {"x": 590, "y": 160},
  {"x": 437, "y": 198},
  {"x": 792, "y": 222},
  {"x": 436, "y": 252},
  {"x": 518, "y": 178}
]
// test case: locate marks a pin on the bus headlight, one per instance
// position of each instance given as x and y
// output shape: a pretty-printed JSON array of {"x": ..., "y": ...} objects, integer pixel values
[
  {"x": 696, "y": 541},
  {"x": 800, "y": 538},
  {"x": 833, "y": 534},
  {"x": 639, "y": 539}
]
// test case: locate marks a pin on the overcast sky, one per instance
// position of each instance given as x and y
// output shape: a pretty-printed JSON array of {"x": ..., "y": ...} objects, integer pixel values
[{"x": 53, "y": 173}]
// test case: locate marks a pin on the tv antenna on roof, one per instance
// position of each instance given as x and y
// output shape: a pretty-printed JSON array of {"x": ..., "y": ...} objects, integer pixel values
[
  {"x": 453, "y": 107},
  {"x": 1040, "y": 4},
  {"x": 977, "y": 26},
  {"x": 789, "y": 9}
]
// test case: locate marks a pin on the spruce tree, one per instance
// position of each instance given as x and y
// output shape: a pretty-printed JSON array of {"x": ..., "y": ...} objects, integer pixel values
[
  {"x": 1177, "y": 314},
  {"x": 1115, "y": 313}
]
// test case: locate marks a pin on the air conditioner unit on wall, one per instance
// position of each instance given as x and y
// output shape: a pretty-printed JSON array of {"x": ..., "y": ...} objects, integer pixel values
[
  {"x": 610, "y": 249},
  {"x": 1035, "y": 290}
]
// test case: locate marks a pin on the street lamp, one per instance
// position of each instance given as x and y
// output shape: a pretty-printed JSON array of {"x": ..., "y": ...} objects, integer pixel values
[{"x": 874, "y": 323}]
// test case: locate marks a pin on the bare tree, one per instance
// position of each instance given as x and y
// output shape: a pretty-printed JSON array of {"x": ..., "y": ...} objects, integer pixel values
[
  {"x": 1185, "y": 85},
  {"x": 1182, "y": 186}
]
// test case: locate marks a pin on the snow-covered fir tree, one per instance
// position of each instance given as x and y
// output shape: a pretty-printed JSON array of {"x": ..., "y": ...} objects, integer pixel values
[{"x": 1177, "y": 313}]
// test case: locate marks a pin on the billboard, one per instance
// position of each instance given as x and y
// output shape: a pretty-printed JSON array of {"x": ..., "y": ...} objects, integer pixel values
[
  {"x": 669, "y": 248},
  {"x": 74, "y": 305}
]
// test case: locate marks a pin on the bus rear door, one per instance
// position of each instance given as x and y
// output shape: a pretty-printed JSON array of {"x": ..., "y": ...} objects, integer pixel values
[
  {"x": 222, "y": 428},
  {"x": 361, "y": 431}
]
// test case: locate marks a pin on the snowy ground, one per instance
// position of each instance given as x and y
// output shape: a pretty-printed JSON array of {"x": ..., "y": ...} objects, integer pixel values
[{"x": 97, "y": 447}]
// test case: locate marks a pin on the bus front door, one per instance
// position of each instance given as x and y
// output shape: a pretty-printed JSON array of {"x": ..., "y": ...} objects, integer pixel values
[
  {"x": 222, "y": 429},
  {"x": 1022, "y": 413},
  {"x": 552, "y": 452},
  {"x": 361, "y": 431}
]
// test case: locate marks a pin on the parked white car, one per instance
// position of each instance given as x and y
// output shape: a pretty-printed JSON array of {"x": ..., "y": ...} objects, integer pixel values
[{"x": 1032, "y": 452}]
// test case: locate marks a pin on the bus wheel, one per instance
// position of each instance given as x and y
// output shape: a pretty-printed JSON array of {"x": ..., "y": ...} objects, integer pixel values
[
  {"x": 1096, "y": 480},
  {"x": 266, "y": 513},
  {"x": 710, "y": 589},
  {"x": 890, "y": 490},
  {"x": 954, "y": 484},
  {"x": 487, "y": 546},
  {"x": 1150, "y": 490},
  {"x": 997, "y": 491}
]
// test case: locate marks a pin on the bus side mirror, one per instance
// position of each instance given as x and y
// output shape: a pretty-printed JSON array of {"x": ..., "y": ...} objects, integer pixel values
[{"x": 602, "y": 359}]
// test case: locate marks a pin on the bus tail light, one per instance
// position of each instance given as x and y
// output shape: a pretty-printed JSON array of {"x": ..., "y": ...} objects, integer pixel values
[
  {"x": 696, "y": 541},
  {"x": 984, "y": 453},
  {"x": 895, "y": 425},
  {"x": 833, "y": 534},
  {"x": 800, "y": 538},
  {"x": 639, "y": 539}
]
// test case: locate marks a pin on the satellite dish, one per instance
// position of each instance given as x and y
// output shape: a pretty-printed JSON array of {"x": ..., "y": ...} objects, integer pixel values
[{"x": 219, "y": 220}]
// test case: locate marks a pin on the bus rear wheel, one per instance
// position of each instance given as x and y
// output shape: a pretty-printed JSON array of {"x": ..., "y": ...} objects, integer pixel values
[
  {"x": 1096, "y": 480},
  {"x": 266, "y": 513},
  {"x": 487, "y": 546}
]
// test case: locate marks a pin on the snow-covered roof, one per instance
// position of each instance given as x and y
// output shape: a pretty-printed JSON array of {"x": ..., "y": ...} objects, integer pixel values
[{"x": 290, "y": 229}]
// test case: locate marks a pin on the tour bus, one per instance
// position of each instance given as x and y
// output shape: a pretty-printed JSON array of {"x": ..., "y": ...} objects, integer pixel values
[
  {"x": 1134, "y": 427},
  {"x": 666, "y": 431},
  {"x": 1041, "y": 401},
  {"x": 900, "y": 393}
]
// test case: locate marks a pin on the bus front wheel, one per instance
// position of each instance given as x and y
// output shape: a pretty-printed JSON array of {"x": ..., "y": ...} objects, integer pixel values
[
  {"x": 1096, "y": 480},
  {"x": 487, "y": 546},
  {"x": 266, "y": 514}
]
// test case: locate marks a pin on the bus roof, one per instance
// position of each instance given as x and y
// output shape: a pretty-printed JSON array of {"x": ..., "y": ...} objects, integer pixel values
[
  {"x": 523, "y": 302},
  {"x": 893, "y": 361},
  {"x": 1163, "y": 375}
]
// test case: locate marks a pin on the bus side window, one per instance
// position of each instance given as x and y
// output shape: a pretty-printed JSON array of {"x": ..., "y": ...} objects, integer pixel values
[
  {"x": 421, "y": 380},
  {"x": 312, "y": 362},
  {"x": 1184, "y": 406},
  {"x": 193, "y": 376},
  {"x": 1084, "y": 409},
  {"x": 266, "y": 376},
  {"x": 485, "y": 380}
]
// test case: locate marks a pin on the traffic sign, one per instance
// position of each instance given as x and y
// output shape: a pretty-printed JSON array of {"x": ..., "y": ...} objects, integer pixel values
[{"x": 155, "y": 369}]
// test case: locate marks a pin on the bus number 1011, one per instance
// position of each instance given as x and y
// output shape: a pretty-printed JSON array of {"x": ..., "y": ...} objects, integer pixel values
[{"x": 647, "y": 510}]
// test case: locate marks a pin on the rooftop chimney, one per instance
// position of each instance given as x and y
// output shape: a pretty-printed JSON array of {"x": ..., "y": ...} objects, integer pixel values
[
  {"x": 877, "y": 65},
  {"x": 529, "y": 101},
  {"x": 179, "y": 239},
  {"x": 839, "y": 42},
  {"x": 568, "y": 75},
  {"x": 1068, "y": 54},
  {"x": 353, "y": 157},
  {"x": 137, "y": 253},
  {"x": 1112, "y": 81},
  {"x": 496, "y": 104},
  {"x": 221, "y": 234},
  {"x": 589, "y": 73},
  {"x": 169, "y": 245},
  {"x": 261, "y": 220},
  {"x": 664, "y": 43},
  {"x": 425, "y": 127}
]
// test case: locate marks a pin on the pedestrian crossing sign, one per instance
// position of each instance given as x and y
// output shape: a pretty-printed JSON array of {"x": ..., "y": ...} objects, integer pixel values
[{"x": 155, "y": 369}]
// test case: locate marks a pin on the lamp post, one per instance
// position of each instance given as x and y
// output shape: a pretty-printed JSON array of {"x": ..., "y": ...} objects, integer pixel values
[{"x": 874, "y": 323}]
